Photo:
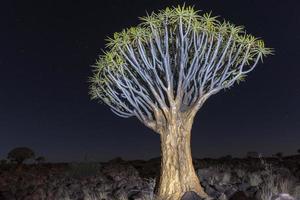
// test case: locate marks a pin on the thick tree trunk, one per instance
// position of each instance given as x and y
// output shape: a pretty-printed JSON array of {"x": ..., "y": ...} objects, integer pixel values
[{"x": 177, "y": 171}]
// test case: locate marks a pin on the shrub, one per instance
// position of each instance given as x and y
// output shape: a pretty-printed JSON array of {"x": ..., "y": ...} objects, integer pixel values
[
  {"x": 273, "y": 184},
  {"x": 83, "y": 169},
  {"x": 3, "y": 162},
  {"x": 40, "y": 159},
  {"x": 254, "y": 179},
  {"x": 279, "y": 154},
  {"x": 252, "y": 154}
]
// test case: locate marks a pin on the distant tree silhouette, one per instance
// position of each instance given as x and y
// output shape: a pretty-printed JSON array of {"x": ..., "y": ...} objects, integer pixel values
[
  {"x": 3, "y": 161},
  {"x": 252, "y": 154},
  {"x": 20, "y": 154},
  {"x": 298, "y": 150},
  {"x": 279, "y": 154},
  {"x": 228, "y": 157},
  {"x": 40, "y": 159}
]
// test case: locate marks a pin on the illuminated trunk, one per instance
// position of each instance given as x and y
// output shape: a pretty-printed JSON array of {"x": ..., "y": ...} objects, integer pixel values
[{"x": 177, "y": 171}]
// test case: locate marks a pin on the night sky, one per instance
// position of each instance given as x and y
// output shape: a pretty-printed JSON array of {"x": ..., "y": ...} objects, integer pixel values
[{"x": 47, "y": 48}]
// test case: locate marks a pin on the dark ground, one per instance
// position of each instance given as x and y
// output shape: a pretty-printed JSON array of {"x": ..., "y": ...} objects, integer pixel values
[{"x": 224, "y": 179}]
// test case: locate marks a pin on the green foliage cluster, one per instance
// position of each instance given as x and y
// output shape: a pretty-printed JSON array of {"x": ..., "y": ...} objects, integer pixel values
[
  {"x": 172, "y": 19},
  {"x": 188, "y": 17}
]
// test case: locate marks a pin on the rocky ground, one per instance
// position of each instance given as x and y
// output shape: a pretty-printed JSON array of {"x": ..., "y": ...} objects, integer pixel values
[{"x": 223, "y": 179}]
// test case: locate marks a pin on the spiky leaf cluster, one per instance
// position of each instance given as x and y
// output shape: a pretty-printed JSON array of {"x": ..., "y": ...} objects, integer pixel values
[{"x": 174, "y": 57}]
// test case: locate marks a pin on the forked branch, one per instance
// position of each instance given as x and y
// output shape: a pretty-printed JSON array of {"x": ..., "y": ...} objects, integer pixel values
[{"x": 174, "y": 60}]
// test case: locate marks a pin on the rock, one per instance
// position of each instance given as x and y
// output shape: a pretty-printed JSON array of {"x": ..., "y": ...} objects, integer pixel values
[
  {"x": 205, "y": 174},
  {"x": 283, "y": 196},
  {"x": 244, "y": 186},
  {"x": 212, "y": 192},
  {"x": 255, "y": 179},
  {"x": 230, "y": 192},
  {"x": 118, "y": 172},
  {"x": 191, "y": 196},
  {"x": 226, "y": 178},
  {"x": 121, "y": 194},
  {"x": 240, "y": 196},
  {"x": 135, "y": 196},
  {"x": 220, "y": 188},
  {"x": 240, "y": 173},
  {"x": 6, "y": 195},
  {"x": 222, "y": 197},
  {"x": 251, "y": 191},
  {"x": 296, "y": 192}
]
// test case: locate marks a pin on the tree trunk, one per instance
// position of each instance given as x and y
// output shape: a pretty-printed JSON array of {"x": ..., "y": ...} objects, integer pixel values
[{"x": 177, "y": 171}]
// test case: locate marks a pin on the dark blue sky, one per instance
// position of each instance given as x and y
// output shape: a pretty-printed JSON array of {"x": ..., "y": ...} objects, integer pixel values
[{"x": 47, "y": 47}]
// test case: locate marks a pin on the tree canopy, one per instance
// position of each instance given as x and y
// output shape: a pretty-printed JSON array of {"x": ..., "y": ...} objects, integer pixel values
[{"x": 174, "y": 59}]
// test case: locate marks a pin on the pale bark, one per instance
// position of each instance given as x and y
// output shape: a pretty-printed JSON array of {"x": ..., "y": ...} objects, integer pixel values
[{"x": 177, "y": 172}]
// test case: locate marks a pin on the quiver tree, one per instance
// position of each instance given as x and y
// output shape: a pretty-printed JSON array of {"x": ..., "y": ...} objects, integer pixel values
[{"x": 163, "y": 70}]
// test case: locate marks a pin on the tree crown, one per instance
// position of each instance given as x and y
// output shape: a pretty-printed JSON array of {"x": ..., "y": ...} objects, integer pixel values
[{"x": 173, "y": 57}]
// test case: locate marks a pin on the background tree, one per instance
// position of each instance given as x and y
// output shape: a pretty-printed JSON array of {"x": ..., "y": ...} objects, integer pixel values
[
  {"x": 20, "y": 154},
  {"x": 279, "y": 154},
  {"x": 298, "y": 151},
  {"x": 3, "y": 161},
  {"x": 162, "y": 72},
  {"x": 40, "y": 159},
  {"x": 252, "y": 154}
]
